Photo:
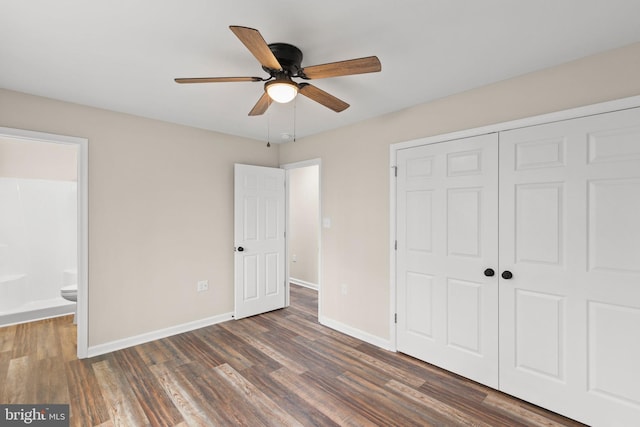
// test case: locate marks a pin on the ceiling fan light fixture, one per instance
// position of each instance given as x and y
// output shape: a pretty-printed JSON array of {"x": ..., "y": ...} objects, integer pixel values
[{"x": 281, "y": 90}]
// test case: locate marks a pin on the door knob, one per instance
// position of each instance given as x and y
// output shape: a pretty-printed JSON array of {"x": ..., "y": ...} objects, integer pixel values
[
  {"x": 507, "y": 275},
  {"x": 489, "y": 272},
  {"x": 240, "y": 249}
]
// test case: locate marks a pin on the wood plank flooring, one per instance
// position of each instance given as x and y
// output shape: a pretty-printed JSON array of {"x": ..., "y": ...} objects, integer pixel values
[{"x": 278, "y": 369}]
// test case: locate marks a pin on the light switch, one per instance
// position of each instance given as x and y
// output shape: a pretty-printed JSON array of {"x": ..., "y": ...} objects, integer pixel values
[{"x": 326, "y": 222}]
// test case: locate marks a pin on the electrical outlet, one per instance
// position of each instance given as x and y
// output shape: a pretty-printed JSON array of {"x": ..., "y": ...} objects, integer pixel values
[
  {"x": 203, "y": 285},
  {"x": 294, "y": 258},
  {"x": 343, "y": 289}
]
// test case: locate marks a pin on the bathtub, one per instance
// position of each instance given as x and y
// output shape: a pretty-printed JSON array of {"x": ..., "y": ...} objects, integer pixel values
[{"x": 17, "y": 305}]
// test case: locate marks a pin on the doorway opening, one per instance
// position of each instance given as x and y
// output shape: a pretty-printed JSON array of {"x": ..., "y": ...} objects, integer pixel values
[
  {"x": 303, "y": 207},
  {"x": 44, "y": 232},
  {"x": 38, "y": 229}
]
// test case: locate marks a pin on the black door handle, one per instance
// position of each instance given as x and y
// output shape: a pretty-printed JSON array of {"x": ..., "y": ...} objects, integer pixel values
[
  {"x": 507, "y": 275},
  {"x": 240, "y": 249},
  {"x": 489, "y": 272}
]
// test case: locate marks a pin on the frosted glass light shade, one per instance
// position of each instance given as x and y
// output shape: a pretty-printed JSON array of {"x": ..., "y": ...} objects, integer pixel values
[{"x": 281, "y": 91}]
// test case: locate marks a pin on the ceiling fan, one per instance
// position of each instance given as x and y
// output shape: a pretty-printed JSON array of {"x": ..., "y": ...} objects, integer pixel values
[{"x": 283, "y": 62}]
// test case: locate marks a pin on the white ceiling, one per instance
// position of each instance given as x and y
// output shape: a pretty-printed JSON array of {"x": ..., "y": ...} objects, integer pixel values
[{"x": 123, "y": 55}]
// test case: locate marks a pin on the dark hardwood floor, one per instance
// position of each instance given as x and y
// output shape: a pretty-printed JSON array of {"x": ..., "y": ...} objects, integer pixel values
[{"x": 280, "y": 368}]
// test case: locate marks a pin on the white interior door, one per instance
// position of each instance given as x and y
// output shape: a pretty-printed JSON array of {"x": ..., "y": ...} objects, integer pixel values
[
  {"x": 260, "y": 283},
  {"x": 447, "y": 216},
  {"x": 570, "y": 236}
]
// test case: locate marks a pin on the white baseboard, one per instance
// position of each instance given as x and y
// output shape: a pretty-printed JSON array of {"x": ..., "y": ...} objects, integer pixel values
[
  {"x": 356, "y": 333},
  {"x": 99, "y": 349},
  {"x": 304, "y": 283}
]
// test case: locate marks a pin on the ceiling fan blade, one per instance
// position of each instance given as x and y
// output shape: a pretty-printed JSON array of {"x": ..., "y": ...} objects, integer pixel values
[
  {"x": 217, "y": 79},
  {"x": 253, "y": 40},
  {"x": 323, "y": 97},
  {"x": 370, "y": 64},
  {"x": 261, "y": 106}
]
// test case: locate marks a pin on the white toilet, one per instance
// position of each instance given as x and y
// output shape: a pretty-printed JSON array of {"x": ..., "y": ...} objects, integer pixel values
[{"x": 70, "y": 293}]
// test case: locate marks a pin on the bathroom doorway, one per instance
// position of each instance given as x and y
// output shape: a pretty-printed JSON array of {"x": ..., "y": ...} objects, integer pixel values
[
  {"x": 42, "y": 227},
  {"x": 303, "y": 225}
]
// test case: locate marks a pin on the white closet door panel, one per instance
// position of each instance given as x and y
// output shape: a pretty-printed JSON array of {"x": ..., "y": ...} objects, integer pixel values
[
  {"x": 611, "y": 247},
  {"x": 570, "y": 234},
  {"x": 539, "y": 326},
  {"x": 447, "y": 237}
]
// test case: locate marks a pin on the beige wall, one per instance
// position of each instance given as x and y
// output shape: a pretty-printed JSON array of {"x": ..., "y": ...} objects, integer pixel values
[
  {"x": 37, "y": 160},
  {"x": 355, "y": 169},
  {"x": 160, "y": 213},
  {"x": 304, "y": 224}
]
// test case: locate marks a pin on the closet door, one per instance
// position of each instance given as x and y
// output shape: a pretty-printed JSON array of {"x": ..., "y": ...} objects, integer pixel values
[
  {"x": 570, "y": 237},
  {"x": 447, "y": 237}
]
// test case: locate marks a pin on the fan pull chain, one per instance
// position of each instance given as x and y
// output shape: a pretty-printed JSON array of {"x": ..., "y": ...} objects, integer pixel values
[
  {"x": 268, "y": 130},
  {"x": 295, "y": 110}
]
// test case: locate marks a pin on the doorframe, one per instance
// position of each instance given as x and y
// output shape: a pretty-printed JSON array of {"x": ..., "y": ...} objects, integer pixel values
[
  {"x": 572, "y": 113},
  {"x": 287, "y": 167},
  {"x": 83, "y": 224}
]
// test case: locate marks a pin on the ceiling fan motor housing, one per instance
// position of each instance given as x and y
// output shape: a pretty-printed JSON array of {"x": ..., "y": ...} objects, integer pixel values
[{"x": 289, "y": 57}]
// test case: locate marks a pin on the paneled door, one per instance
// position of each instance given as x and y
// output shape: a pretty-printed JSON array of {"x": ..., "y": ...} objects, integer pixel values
[
  {"x": 259, "y": 235},
  {"x": 447, "y": 255},
  {"x": 570, "y": 253}
]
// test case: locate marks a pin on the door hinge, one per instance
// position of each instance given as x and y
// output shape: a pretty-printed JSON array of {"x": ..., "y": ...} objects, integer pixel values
[
  {"x": 395, "y": 171},
  {"x": 395, "y": 318},
  {"x": 395, "y": 246}
]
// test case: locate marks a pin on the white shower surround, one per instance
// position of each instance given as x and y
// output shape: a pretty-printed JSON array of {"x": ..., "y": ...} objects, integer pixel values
[{"x": 38, "y": 247}]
